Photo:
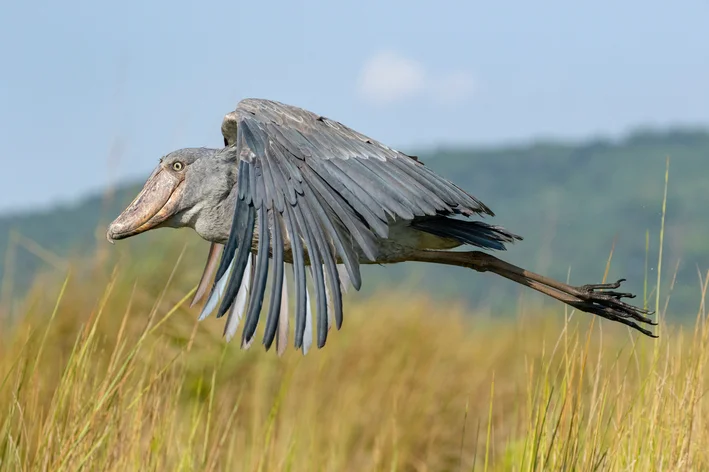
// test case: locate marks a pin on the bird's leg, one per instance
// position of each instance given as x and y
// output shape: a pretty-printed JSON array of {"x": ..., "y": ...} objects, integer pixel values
[
  {"x": 598, "y": 299},
  {"x": 215, "y": 252}
]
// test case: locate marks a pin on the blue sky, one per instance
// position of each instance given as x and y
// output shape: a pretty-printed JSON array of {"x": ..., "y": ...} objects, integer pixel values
[{"x": 95, "y": 92}]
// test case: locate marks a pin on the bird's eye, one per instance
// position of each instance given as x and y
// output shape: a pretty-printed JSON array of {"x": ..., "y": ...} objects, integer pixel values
[{"x": 177, "y": 166}]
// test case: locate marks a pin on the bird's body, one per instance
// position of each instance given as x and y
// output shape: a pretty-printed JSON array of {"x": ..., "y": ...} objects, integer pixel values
[
  {"x": 401, "y": 240},
  {"x": 333, "y": 199}
]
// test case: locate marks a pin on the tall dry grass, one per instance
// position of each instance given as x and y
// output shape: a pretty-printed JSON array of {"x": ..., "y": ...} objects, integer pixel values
[
  {"x": 111, "y": 371},
  {"x": 115, "y": 380}
]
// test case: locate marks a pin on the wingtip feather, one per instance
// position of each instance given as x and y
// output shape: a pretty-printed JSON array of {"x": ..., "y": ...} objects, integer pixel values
[
  {"x": 282, "y": 337},
  {"x": 216, "y": 294},
  {"x": 239, "y": 306}
]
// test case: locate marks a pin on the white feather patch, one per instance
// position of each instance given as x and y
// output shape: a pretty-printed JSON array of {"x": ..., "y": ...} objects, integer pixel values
[
  {"x": 344, "y": 277},
  {"x": 308, "y": 334},
  {"x": 328, "y": 300},
  {"x": 282, "y": 338},
  {"x": 240, "y": 302},
  {"x": 217, "y": 294},
  {"x": 246, "y": 344}
]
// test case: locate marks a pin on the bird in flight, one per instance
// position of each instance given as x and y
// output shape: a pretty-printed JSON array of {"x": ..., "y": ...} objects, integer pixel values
[{"x": 293, "y": 190}]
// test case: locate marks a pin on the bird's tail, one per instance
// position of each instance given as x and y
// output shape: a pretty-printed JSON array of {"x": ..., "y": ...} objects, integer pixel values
[{"x": 475, "y": 233}]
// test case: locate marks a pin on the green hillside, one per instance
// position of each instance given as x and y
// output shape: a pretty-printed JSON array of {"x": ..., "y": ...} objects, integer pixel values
[{"x": 570, "y": 201}]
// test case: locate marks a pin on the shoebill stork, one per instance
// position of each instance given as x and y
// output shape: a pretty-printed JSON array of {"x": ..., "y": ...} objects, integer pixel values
[{"x": 293, "y": 190}]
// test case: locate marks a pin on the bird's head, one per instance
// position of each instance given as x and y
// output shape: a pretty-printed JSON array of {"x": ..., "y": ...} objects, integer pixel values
[{"x": 189, "y": 188}]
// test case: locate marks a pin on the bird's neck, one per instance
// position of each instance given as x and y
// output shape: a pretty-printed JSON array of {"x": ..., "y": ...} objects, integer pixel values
[{"x": 214, "y": 221}]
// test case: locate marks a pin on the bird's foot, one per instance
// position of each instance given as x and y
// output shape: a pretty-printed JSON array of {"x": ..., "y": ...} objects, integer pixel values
[{"x": 602, "y": 300}]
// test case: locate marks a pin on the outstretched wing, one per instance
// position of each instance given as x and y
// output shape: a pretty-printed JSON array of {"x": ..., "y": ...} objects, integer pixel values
[{"x": 330, "y": 192}]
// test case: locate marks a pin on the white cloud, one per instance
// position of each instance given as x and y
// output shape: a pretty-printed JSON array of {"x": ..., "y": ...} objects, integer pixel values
[{"x": 388, "y": 77}]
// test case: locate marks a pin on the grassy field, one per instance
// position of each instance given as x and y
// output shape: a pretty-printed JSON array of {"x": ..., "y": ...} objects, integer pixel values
[{"x": 109, "y": 370}]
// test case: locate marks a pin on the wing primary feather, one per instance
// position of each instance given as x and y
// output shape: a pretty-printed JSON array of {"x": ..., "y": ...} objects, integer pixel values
[
  {"x": 333, "y": 282},
  {"x": 253, "y": 195},
  {"x": 340, "y": 216},
  {"x": 308, "y": 328},
  {"x": 282, "y": 339},
  {"x": 328, "y": 297},
  {"x": 215, "y": 250},
  {"x": 364, "y": 203},
  {"x": 334, "y": 179},
  {"x": 277, "y": 283},
  {"x": 314, "y": 256},
  {"x": 354, "y": 228},
  {"x": 298, "y": 276},
  {"x": 216, "y": 294},
  {"x": 230, "y": 248},
  {"x": 237, "y": 309},
  {"x": 344, "y": 277},
  {"x": 244, "y": 249},
  {"x": 328, "y": 260},
  {"x": 260, "y": 277}
]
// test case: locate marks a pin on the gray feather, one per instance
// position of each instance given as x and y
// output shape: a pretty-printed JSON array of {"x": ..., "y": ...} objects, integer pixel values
[{"x": 239, "y": 306}]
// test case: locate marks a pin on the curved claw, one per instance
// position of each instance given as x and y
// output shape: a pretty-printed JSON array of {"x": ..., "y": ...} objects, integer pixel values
[
  {"x": 639, "y": 328},
  {"x": 607, "y": 286},
  {"x": 623, "y": 295},
  {"x": 630, "y": 308},
  {"x": 610, "y": 306},
  {"x": 616, "y": 295}
]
